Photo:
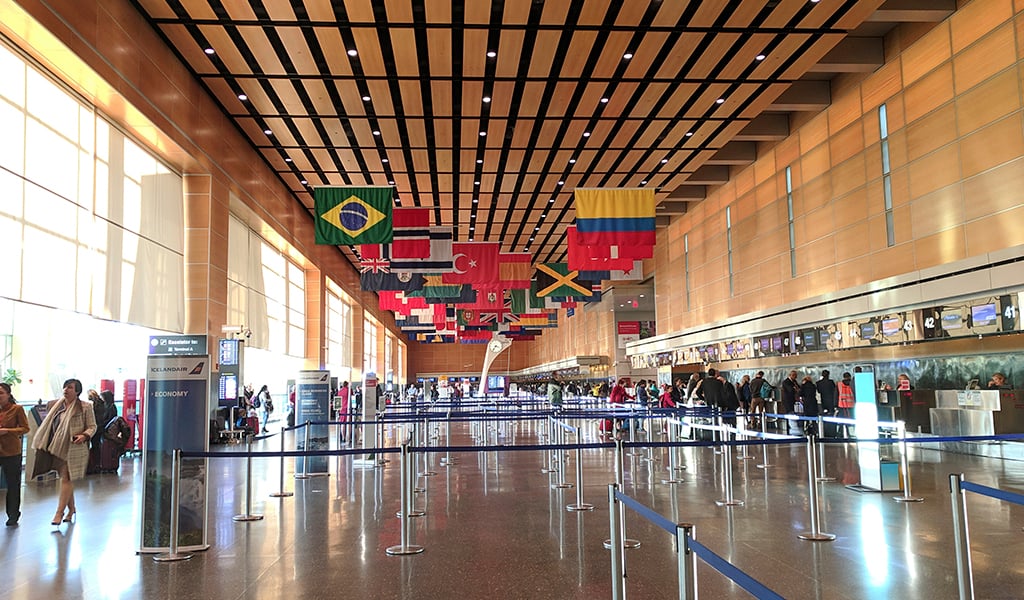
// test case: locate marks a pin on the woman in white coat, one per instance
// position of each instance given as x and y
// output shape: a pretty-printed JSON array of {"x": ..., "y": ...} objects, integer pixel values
[{"x": 65, "y": 433}]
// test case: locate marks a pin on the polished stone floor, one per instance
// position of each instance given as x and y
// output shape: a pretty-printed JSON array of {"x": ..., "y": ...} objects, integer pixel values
[{"x": 494, "y": 528}]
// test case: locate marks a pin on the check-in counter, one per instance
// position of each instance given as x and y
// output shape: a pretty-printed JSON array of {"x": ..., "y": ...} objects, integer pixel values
[
  {"x": 913, "y": 407},
  {"x": 978, "y": 412}
]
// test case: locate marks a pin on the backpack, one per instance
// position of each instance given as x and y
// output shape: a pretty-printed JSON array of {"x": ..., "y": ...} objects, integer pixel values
[
  {"x": 118, "y": 431},
  {"x": 766, "y": 390},
  {"x": 256, "y": 402}
]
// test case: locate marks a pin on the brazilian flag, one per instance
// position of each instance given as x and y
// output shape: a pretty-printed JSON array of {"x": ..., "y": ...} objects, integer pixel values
[{"x": 353, "y": 215}]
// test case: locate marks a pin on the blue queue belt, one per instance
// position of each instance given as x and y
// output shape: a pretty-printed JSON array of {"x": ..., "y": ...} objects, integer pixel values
[
  {"x": 646, "y": 512},
  {"x": 755, "y": 587},
  {"x": 992, "y": 492}
]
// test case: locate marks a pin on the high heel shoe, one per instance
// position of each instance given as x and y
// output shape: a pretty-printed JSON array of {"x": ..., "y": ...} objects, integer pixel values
[
  {"x": 56, "y": 520},
  {"x": 70, "y": 517}
]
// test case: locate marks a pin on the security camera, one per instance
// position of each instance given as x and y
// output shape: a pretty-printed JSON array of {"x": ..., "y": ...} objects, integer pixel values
[{"x": 248, "y": 333}]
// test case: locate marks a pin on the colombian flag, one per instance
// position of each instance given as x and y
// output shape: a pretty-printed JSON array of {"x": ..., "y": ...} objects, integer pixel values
[{"x": 615, "y": 217}]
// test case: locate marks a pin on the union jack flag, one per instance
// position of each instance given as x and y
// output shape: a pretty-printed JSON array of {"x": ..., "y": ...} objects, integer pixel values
[{"x": 375, "y": 265}]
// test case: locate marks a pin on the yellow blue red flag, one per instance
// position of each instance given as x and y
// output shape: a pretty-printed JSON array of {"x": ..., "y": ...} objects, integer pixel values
[{"x": 615, "y": 217}]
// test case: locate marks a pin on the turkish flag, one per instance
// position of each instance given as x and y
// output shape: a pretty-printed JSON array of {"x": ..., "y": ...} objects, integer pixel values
[{"x": 475, "y": 262}]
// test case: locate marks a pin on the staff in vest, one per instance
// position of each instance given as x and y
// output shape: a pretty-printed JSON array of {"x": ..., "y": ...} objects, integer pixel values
[{"x": 845, "y": 399}]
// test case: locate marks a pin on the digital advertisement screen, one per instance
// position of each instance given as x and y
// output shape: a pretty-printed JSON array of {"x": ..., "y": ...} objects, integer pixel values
[
  {"x": 867, "y": 330},
  {"x": 952, "y": 320},
  {"x": 891, "y": 326},
  {"x": 777, "y": 343},
  {"x": 983, "y": 315},
  {"x": 496, "y": 382},
  {"x": 810, "y": 340}
]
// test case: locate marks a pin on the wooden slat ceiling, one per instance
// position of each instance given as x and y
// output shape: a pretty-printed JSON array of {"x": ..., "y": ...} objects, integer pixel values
[{"x": 493, "y": 111}]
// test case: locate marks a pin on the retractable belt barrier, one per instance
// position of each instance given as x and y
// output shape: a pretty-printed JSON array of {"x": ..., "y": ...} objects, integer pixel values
[
  {"x": 687, "y": 550},
  {"x": 961, "y": 534}
]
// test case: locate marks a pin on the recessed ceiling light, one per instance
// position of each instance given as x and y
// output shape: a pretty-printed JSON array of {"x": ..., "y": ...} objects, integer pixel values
[
  {"x": 475, "y": 200},
  {"x": 487, "y": 99},
  {"x": 641, "y": 295},
  {"x": 586, "y": 134},
  {"x": 604, "y": 101},
  {"x": 491, "y": 54},
  {"x": 479, "y": 161},
  {"x": 366, "y": 98},
  {"x": 471, "y": 228},
  {"x": 689, "y": 134},
  {"x": 551, "y": 201},
  {"x": 483, "y": 133},
  {"x": 531, "y": 239},
  {"x": 760, "y": 57},
  {"x": 561, "y": 183},
  {"x": 720, "y": 101},
  {"x": 391, "y": 183},
  {"x": 627, "y": 55},
  {"x": 208, "y": 50},
  {"x": 644, "y": 182},
  {"x": 243, "y": 97},
  {"x": 542, "y": 215},
  {"x": 267, "y": 131},
  {"x": 536, "y": 228},
  {"x": 383, "y": 160},
  {"x": 572, "y": 161},
  {"x": 476, "y": 183},
  {"x": 471, "y": 239},
  {"x": 303, "y": 182},
  {"x": 664, "y": 160},
  {"x": 352, "y": 53},
  {"x": 286, "y": 159},
  {"x": 375, "y": 132}
]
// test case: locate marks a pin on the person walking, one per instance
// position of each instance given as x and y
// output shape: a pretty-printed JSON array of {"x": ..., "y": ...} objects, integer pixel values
[
  {"x": 70, "y": 422},
  {"x": 13, "y": 425}
]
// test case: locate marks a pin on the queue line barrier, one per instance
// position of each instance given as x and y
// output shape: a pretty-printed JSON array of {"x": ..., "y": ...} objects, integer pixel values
[
  {"x": 688, "y": 550},
  {"x": 958, "y": 487}
]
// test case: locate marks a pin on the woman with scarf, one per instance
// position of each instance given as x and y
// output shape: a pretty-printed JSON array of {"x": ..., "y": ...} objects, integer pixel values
[{"x": 65, "y": 432}]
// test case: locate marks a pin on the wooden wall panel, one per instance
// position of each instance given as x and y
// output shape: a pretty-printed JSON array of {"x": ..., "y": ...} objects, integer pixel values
[
  {"x": 988, "y": 102},
  {"x": 932, "y": 91},
  {"x": 982, "y": 60},
  {"x": 996, "y": 144},
  {"x": 932, "y": 50},
  {"x": 975, "y": 19},
  {"x": 997, "y": 231},
  {"x": 994, "y": 191}
]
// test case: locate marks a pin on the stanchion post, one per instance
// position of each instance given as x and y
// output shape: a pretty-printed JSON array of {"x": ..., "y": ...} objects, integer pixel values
[
  {"x": 901, "y": 429},
  {"x": 248, "y": 516},
  {"x": 378, "y": 425},
  {"x": 172, "y": 555},
  {"x": 305, "y": 448},
  {"x": 686, "y": 561},
  {"x": 620, "y": 467},
  {"x": 672, "y": 466},
  {"x": 580, "y": 505},
  {"x": 281, "y": 493},
  {"x": 764, "y": 447},
  {"x": 727, "y": 466},
  {"x": 822, "y": 476},
  {"x": 405, "y": 467},
  {"x": 962, "y": 538},
  {"x": 618, "y": 556},
  {"x": 815, "y": 534}
]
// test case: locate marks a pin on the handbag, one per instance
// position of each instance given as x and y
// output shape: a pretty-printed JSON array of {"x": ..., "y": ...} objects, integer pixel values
[{"x": 44, "y": 463}]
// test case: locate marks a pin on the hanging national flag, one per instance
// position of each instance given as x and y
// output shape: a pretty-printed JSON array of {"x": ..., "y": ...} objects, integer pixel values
[
  {"x": 615, "y": 217},
  {"x": 440, "y": 259},
  {"x": 488, "y": 299},
  {"x": 353, "y": 215},
  {"x": 517, "y": 301},
  {"x": 405, "y": 282},
  {"x": 474, "y": 262},
  {"x": 459, "y": 294},
  {"x": 514, "y": 269},
  {"x": 580, "y": 257},
  {"x": 556, "y": 279},
  {"x": 374, "y": 265},
  {"x": 411, "y": 232},
  {"x": 534, "y": 299},
  {"x": 399, "y": 302}
]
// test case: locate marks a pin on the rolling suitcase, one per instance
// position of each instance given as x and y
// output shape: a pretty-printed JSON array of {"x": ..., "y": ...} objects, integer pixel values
[{"x": 110, "y": 457}]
